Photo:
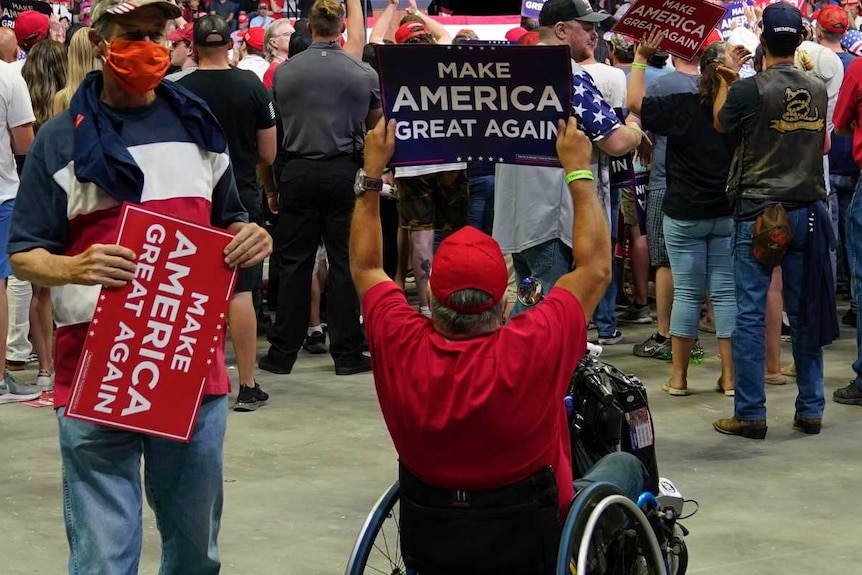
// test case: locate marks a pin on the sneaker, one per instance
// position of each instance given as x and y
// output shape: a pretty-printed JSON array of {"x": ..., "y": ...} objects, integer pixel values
[
  {"x": 754, "y": 429},
  {"x": 848, "y": 395},
  {"x": 250, "y": 398},
  {"x": 809, "y": 425},
  {"x": 12, "y": 390},
  {"x": 652, "y": 348},
  {"x": 361, "y": 366},
  {"x": 45, "y": 380},
  {"x": 785, "y": 332},
  {"x": 612, "y": 339},
  {"x": 267, "y": 363},
  {"x": 849, "y": 318},
  {"x": 315, "y": 343},
  {"x": 622, "y": 302},
  {"x": 697, "y": 353},
  {"x": 635, "y": 314}
]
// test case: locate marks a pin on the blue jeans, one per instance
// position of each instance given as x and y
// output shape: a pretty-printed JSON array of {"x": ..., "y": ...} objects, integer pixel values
[
  {"x": 102, "y": 494},
  {"x": 701, "y": 257},
  {"x": 843, "y": 187},
  {"x": 622, "y": 470},
  {"x": 604, "y": 316},
  {"x": 481, "y": 214},
  {"x": 749, "y": 338},
  {"x": 546, "y": 262},
  {"x": 854, "y": 256}
]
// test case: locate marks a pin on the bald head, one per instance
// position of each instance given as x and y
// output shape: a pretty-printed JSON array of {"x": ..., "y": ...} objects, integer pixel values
[{"x": 8, "y": 45}]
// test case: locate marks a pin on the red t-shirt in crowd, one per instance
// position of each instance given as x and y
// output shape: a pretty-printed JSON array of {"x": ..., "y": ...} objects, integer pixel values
[
  {"x": 483, "y": 412},
  {"x": 848, "y": 108},
  {"x": 269, "y": 75}
]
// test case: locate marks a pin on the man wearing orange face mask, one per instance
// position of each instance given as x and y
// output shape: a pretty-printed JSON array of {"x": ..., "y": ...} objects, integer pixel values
[{"x": 128, "y": 136}]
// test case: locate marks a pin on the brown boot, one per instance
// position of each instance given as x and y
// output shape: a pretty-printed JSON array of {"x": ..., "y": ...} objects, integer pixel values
[
  {"x": 752, "y": 429},
  {"x": 809, "y": 425}
]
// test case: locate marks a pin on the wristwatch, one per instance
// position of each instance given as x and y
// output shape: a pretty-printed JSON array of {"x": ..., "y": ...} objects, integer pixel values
[{"x": 364, "y": 184}]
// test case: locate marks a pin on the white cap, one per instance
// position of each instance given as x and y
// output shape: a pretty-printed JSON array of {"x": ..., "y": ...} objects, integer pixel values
[{"x": 827, "y": 65}]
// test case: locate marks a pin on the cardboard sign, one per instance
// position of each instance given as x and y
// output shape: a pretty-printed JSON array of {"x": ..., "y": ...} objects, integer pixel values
[
  {"x": 531, "y": 8},
  {"x": 687, "y": 23},
  {"x": 151, "y": 343},
  {"x": 11, "y": 9},
  {"x": 475, "y": 102},
  {"x": 734, "y": 15}
]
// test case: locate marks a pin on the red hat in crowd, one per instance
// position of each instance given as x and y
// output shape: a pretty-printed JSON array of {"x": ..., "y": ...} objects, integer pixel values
[
  {"x": 469, "y": 259},
  {"x": 515, "y": 34},
  {"x": 242, "y": 19},
  {"x": 409, "y": 31},
  {"x": 529, "y": 39},
  {"x": 832, "y": 19},
  {"x": 184, "y": 34},
  {"x": 254, "y": 38},
  {"x": 30, "y": 27}
]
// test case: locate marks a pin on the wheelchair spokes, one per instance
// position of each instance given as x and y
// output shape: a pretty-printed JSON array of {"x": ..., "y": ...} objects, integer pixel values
[{"x": 385, "y": 556}]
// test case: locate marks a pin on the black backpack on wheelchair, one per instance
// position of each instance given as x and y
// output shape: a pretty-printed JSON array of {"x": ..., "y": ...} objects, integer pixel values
[{"x": 607, "y": 412}]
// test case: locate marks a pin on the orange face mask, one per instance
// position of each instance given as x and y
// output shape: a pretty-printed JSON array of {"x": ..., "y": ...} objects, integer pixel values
[{"x": 138, "y": 65}]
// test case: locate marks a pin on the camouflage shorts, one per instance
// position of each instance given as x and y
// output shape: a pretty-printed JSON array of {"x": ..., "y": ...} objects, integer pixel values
[{"x": 434, "y": 201}]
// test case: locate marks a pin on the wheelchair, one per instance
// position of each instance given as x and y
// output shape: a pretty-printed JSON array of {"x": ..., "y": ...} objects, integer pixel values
[{"x": 604, "y": 533}]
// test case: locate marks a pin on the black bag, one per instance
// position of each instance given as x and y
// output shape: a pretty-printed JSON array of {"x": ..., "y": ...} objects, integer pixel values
[{"x": 608, "y": 412}]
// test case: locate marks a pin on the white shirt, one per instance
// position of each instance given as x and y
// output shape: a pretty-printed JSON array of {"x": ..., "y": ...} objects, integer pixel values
[
  {"x": 254, "y": 63},
  {"x": 611, "y": 82},
  {"x": 15, "y": 110}
]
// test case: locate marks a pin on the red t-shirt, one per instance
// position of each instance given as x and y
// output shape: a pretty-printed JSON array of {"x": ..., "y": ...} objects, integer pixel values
[
  {"x": 269, "y": 75},
  {"x": 848, "y": 108},
  {"x": 480, "y": 413}
]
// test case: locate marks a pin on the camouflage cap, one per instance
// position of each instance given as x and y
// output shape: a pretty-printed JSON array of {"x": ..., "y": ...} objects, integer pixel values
[{"x": 117, "y": 7}]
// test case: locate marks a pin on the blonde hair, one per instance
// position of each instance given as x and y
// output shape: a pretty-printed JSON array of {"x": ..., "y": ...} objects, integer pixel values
[
  {"x": 326, "y": 18},
  {"x": 83, "y": 59},
  {"x": 45, "y": 73},
  {"x": 270, "y": 32}
]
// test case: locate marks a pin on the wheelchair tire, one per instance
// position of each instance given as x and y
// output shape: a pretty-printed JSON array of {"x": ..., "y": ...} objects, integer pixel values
[
  {"x": 373, "y": 551},
  {"x": 678, "y": 562},
  {"x": 586, "y": 504}
]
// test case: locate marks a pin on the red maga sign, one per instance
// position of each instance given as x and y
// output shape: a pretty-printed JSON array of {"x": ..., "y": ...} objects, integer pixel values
[
  {"x": 687, "y": 23},
  {"x": 151, "y": 343}
]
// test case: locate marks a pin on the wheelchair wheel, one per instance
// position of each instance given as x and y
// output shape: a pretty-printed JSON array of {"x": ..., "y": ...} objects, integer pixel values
[
  {"x": 378, "y": 545},
  {"x": 606, "y": 534}
]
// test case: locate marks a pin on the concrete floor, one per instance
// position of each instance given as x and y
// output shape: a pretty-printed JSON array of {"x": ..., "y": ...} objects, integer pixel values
[{"x": 302, "y": 472}]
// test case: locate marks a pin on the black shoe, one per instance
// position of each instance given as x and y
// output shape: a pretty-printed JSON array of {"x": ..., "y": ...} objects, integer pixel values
[
  {"x": 250, "y": 398},
  {"x": 315, "y": 343},
  {"x": 266, "y": 363},
  {"x": 849, "y": 318},
  {"x": 809, "y": 425},
  {"x": 848, "y": 395},
  {"x": 362, "y": 366}
]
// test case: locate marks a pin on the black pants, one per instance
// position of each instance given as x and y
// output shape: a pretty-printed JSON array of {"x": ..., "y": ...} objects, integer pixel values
[{"x": 316, "y": 201}]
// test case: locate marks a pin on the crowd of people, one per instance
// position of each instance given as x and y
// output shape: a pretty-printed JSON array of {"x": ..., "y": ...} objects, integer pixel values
[{"x": 726, "y": 181}]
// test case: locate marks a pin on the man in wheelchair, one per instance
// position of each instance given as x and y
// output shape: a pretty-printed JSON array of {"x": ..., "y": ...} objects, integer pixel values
[{"x": 473, "y": 404}]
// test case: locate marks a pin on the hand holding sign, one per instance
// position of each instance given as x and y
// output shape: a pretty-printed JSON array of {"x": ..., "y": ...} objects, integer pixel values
[
  {"x": 379, "y": 147},
  {"x": 106, "y": 265},
  {"x": 573, "y": 146},
  {"x": 650, "y": 43},
  {"x": 249, "y": 247}
]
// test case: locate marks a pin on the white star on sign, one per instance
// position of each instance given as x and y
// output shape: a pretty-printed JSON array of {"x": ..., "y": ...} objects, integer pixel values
[
  {"x": 471, "y": 47},
  {"x": 501, "y": 159},
  {"x": 458, "y": 158},
  {"x": 92, "y": 333},
  {"x": 95, "y": 321},
  {"x": 480, "y": 158},
  {"x": 579, "y": 90},
  {"x": 215, "y": 338},
  {"x": 469, "y": 158},
  {"x": 599, "y": 117},
  {"x": 218, "y": 326},
  {"x": 209, "y": 362},
  {"x": 102, "y": 298},
  {"x": 221, "y": 316},
  {"x": 212, "y": 349},
  {"x": 98, "y": 309},
  {"x": 481, "y": 48},
  {"x": 578, "y": 110}
]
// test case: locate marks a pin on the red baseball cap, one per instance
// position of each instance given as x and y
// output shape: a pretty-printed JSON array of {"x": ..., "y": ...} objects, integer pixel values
[
  {"x": 469, "y": 259},
  {"x": 184, "y": 34},
  {"x": 833, "y": 19},
  {"x": 242, "y": 19},
  {"x": 409, "y": 31},
  {"x": 30, "y": 27},
  {"x": 515, "y": 34},
  {"x": 529, "y": 39},
  {"x": 254, "y": 38}
]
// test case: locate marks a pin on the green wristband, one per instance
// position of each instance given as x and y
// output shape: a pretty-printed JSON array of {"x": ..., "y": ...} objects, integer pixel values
[
  {"x": 579, "y": 175},
  {"x": 638, "y": 66}
]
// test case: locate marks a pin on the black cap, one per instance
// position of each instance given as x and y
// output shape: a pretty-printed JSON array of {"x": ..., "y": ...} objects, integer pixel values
[
  {"x": 211, "y": 30},
  {"x": 781, "y": 19},
  {"x": 564, "y": 10}
]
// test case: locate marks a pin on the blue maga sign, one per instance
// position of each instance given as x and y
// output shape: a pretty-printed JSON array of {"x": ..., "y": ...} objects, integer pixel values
[
  {"x": 734, "y": 14},
  {"x": 474, "y": 102},
  {"x": 531, "y": 8}
]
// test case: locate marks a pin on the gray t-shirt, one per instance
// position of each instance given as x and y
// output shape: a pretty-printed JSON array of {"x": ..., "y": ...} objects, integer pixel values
[
  {"x": 324, "y": 95},
  {"x": 672, "y": 83}
]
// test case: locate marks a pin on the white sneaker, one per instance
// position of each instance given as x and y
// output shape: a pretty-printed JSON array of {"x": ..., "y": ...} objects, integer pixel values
[
  {"x": 45, "y": 380},
  {"x": 12, "y": 390}
]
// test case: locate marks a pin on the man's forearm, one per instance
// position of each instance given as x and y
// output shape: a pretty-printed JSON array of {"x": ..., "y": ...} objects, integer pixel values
[
  {"x": 42, "y": 268},
  {"x": 381, "y": 26},
  {"x": 591, "y": 244},
  {"x": 366, "y": 237},
  {"x": 720, "y": 99},
  {"x": 435, "y": 28},
  {"x": 636, "y": 87}
]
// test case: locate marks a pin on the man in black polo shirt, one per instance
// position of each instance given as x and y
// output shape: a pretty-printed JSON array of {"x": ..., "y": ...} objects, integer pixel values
[
  {"x": 242, "y": 106},
  {"x": 316, "y": 194}
]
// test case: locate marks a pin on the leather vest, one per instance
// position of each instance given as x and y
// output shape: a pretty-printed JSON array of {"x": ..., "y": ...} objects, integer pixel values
[{"x": 780, "y": 155}]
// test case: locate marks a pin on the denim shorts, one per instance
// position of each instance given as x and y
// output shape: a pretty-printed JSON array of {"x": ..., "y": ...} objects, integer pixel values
[{"x": 5, "y": 221}]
